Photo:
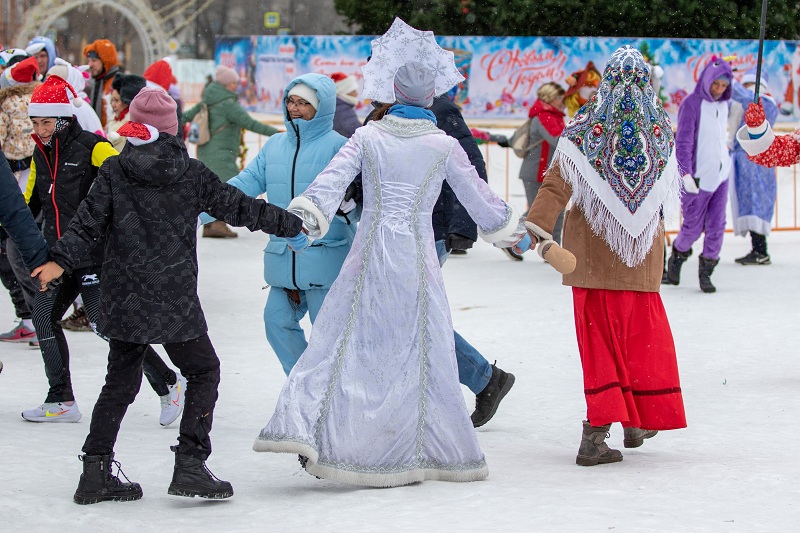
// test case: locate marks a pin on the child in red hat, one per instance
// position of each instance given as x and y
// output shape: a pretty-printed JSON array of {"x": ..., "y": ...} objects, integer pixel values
[
  {"x": 146, "y": 202},
  {"x": 65, "y": 164}
]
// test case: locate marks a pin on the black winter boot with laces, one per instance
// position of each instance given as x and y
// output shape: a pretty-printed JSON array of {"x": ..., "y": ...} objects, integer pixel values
[
  {"x": 488, "y": 400},
  {"x": 98, "y": 484},
  {"x": 191, "y": 477},
  {"x": 594, "y": 450},
  {"x": 706, "y": 269}
]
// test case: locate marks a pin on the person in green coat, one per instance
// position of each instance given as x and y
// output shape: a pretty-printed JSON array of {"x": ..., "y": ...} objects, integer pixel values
[{"x": 226, "y": 119}]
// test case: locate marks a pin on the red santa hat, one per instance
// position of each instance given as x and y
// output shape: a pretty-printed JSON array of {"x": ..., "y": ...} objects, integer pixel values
[
  {"x": 52, "y": 99},
  {"x": 25, "y": 71},
  {"x": 344, "y": 84},
  {"x": 159, "y": 74}
]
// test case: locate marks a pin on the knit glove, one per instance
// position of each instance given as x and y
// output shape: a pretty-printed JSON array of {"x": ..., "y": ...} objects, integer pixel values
[
  {"x": 298, "y": 243},
  {"x": 523, "y": 245},
  {"x": 756, "y": 120}
]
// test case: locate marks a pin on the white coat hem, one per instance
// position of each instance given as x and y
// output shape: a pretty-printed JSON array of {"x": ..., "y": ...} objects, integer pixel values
[{"x": 369, "y": 479}]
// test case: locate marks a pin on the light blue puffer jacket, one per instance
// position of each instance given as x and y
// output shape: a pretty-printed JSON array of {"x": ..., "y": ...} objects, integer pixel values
[{"x": 284, "y": 168}]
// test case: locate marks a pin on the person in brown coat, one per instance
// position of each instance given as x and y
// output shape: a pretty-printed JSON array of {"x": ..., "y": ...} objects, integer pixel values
[{"x": 617, "y": 165}]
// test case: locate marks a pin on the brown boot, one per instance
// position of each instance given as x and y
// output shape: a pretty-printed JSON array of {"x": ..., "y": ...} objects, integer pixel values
[
  {"x": 634, "y": 437},
  {"x": 218, "y": 230},
  {"x": 593, "y": 449}
]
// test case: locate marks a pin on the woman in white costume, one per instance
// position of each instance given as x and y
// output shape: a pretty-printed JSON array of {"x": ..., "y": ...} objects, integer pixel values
[{"x": 375, "y": 398}]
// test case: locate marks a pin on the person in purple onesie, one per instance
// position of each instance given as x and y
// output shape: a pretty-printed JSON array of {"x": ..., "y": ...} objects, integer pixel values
[{"x": 702, "y": 152}]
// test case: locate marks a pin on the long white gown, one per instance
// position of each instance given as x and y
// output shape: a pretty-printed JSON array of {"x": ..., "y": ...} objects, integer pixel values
[{"x": 375, "y": 398}]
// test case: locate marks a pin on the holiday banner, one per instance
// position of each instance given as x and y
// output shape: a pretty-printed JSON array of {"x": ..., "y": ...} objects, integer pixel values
[{"x": 503, "y": 73}]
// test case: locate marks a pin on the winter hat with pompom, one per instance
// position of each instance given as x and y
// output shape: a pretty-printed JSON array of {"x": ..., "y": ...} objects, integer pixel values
[{"x": 53, "y": 98}]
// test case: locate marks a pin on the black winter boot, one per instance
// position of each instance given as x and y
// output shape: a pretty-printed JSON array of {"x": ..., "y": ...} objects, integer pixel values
[
  {"x": 673, "y": 274},
  {"x": 488, "y": 400},
  {"x": 706, "y": 269},
  {"x": 593, "y": 449},
  {"x": 192, "y": 477},
  {"x": 634, "y": 437},
  {"x": 98, "y": 484}
]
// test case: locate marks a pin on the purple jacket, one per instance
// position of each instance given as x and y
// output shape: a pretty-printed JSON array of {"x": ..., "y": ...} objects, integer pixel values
[{"x": 689, "y": 113}]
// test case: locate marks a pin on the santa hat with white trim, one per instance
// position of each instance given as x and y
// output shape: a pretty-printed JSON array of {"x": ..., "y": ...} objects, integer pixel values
[{"x": 52, "y": 99}]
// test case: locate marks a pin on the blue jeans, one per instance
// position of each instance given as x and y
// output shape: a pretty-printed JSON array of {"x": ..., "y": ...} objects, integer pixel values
[
  {"x": 282, "y": 323},
  {"x": 474, "y": 370}
]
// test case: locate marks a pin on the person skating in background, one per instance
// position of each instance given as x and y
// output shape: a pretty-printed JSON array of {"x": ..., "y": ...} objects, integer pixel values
[
  {"x": 617, "y": 152},
  {"x": 16, "y": 87},
  {"x": 149, "y": 288},
  {"x": 103, "y": 61},
  {"x": 124, "y": 89},
  {"x": 226, "y": 120},
  {"x": 547, "y": 123},
  {"x": 44, "y": 50},
  {"x": 345, "y": 120},
  {"x": 159, "y": 74},
  {"x": 703, "y": 157},
  {"x": 754, "y": 187},
  {"x": 65, "y": 164}
]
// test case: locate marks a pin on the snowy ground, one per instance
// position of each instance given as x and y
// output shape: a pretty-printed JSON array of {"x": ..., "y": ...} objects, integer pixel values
[{"x": 734, "y": 469}]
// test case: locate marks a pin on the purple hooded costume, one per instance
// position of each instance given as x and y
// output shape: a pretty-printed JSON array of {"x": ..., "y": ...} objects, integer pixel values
[{"x": 701, "y": 152}]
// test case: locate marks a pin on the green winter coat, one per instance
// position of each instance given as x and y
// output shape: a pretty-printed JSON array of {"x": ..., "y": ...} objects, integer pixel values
[{"x": 226, "y": 119}]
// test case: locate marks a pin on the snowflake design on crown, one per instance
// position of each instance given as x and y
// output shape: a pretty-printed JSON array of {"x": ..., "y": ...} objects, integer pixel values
[
  {"x": 400, "y": 45},
  {"x": 623, "y": 131}
]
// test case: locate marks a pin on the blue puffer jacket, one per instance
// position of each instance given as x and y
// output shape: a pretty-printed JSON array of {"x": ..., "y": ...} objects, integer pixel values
[{"x": 284, "y": 168}]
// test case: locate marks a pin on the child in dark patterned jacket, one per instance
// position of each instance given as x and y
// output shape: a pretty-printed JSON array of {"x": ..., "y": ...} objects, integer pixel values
[{"x": 146, "y": 203}]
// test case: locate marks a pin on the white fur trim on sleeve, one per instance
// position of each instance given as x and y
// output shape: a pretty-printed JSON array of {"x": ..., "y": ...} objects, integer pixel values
[
  {"x": 755, "y": 146},
  {"x": 504, "y": 232},
  {"x": 541, "y": 234},
  {"x": 301, "y": 203}
]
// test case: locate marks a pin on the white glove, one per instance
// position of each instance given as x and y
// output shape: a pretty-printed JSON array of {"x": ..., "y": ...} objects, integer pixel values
[
  {"x": 347, "y": 206},
  {"x": 690, "y": 185}
]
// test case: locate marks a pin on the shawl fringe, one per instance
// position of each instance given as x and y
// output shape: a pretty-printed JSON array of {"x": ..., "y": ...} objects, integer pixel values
[{"x": 631, "y": 249}]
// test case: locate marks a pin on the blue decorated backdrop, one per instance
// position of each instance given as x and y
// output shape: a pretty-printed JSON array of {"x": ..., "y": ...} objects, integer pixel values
[{"x": 502, "y": 73}]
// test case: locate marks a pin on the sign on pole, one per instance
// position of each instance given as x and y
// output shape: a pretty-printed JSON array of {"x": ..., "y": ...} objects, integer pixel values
[{"x": 272, "y": 19}]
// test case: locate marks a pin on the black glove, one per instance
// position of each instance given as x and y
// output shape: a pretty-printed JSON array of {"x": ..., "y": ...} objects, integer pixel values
[
  {"x": 454, "y": 241},
  {"x": 501, "y": 140}
]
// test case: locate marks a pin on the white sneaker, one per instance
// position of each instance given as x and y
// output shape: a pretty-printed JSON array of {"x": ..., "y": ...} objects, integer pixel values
[
  {"x": 53, "y": 412},
  {"x": 172, "y": 403}
]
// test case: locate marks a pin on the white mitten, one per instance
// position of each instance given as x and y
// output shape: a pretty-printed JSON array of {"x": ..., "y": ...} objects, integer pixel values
[{"x": 690, "y": 184}]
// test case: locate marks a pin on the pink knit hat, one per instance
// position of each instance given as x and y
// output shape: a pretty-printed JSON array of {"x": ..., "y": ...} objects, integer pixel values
[
  {"x": 156, "y": 108},
  {"x": 225, "y": 75}
]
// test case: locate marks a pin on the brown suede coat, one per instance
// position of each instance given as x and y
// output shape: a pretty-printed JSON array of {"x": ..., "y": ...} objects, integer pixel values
[{"x": 597, "y": 266}]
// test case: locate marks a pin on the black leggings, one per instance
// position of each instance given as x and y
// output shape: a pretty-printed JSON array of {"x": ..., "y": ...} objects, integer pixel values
[
  {"x": 9, "y": 280},
  {"x": 48, "y": 309},
  {"x": 196, "y": 360}
]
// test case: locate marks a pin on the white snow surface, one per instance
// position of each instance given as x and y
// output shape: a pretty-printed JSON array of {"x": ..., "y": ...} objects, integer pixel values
[{"x": 734, "y": 469}]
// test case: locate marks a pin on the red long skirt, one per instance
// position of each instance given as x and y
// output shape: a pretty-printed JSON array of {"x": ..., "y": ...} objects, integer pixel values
[{"x": 630, "y": 372}]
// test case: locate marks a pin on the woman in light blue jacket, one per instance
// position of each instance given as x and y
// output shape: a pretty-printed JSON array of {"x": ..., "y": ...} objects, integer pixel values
[{"x": 283, "y": 169}]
